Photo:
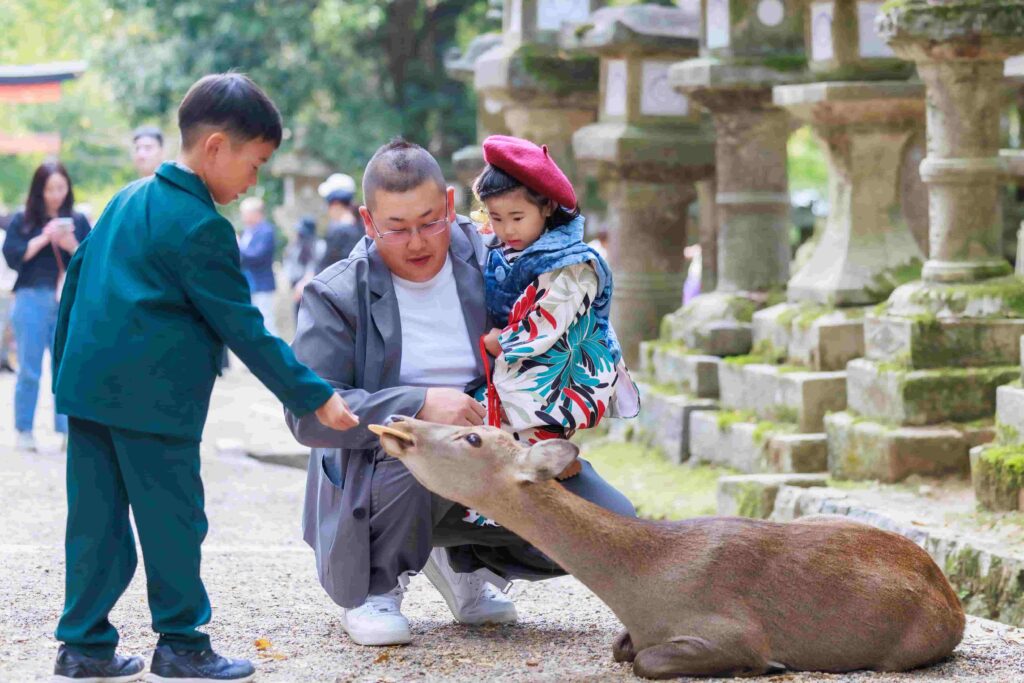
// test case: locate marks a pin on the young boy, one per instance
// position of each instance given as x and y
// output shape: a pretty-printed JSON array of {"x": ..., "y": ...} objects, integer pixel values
[{"x": 150, "y": 299}]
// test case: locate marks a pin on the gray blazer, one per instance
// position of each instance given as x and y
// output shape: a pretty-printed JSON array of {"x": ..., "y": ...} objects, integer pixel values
[{"x": 349, "y": 333}]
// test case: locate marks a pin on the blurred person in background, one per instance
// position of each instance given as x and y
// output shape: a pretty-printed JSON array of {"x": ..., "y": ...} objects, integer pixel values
[
  {"x": 7, "y": 278},
  {"x": 344, "y": 229},
  {"x": 256, "y": 244},
  {"x": 39, "y": 244},
  {"x": 147, "y": 150},
  {"x": 301, "y": 257}
]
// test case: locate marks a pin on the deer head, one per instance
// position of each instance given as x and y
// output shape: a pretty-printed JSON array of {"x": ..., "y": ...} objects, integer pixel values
[{"x": 470, "y": 464}]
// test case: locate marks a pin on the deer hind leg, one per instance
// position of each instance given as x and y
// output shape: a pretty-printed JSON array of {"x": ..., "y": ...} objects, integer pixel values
[
  {"x": 696, "y": 656},
  {"x": 622, "y": 648}
]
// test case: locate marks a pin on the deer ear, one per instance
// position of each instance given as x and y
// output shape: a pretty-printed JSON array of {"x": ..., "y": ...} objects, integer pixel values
[{"x": 545, "y": 460}]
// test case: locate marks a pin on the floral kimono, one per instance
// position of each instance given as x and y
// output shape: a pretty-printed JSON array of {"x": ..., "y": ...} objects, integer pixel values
[{"x": 561, "y": 368}]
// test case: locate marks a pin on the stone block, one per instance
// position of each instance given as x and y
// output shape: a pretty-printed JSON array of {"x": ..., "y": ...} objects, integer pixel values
[
  {"x": 753, "y": 495},
  {"x": 997, "y": 475},
  {"x": 798, "y": 453},
  {"x": 1010, "y": 414},
  {"x": 782, "y": 393},
  {"x": 862, "y": 449},
  {"x": 664, "y": 420},
  {"x": 718, "y": 439},
  {"x": 773, "y": 330},
  {"x": 830, "y": 341},
  {"x": 924, "y": 397},
  {"x": 821, "y": 338},
  {"x": 721, "y": 338},
  {"x": 937, "y": 343},
  {"x": 672, "y": 364}
]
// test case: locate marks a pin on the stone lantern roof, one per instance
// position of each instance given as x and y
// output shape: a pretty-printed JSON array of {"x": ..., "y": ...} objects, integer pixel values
[{"x": 636, "y": 30}]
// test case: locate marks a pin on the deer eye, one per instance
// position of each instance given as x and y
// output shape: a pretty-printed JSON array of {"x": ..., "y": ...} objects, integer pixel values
[{"x": 474, "y": 440}]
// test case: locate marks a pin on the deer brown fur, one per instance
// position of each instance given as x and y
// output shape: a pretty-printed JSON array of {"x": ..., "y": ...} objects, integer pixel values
[{"x": 707, "y": 596}]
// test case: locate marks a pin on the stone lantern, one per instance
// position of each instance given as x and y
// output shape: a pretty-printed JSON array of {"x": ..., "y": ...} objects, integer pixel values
[
  {"x": 648, "y": 149},
  {"x": 939, "y": 347},
  {"x": 301, "y": 174},
  {"x": 544, "y": 94},
  {"x": 748, "y": 46},
  {"x": 867, "y": 120},
  {"x": 490, "y": 120}
]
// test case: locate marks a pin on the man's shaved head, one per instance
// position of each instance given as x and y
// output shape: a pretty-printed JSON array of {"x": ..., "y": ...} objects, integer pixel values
[{"x": 399, "y": 166}]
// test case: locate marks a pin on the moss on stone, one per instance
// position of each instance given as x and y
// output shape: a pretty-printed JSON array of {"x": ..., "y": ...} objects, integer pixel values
[
  {"x": 998, "y": 477},
  {"x": 786, "y": 414},
  {"x": 1007, "y": 434},
  {"x": 883, "y": 283},
  {"x": 742, "y": 309},
  {"x": 750, "y": 501},
  {"x": 1009, "y": 291},
  {"x": 727, "y": 418},
  {"x": 558, "y": 72}
]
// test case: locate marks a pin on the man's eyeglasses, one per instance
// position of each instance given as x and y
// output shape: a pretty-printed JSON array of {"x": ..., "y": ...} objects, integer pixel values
[{"x": 402, "y": 236}]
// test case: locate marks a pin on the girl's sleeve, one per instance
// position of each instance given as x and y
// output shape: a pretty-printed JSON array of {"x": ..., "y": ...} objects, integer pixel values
[
  {"x": 543, "y": 313},
  {"x": 15, "y": 244}
]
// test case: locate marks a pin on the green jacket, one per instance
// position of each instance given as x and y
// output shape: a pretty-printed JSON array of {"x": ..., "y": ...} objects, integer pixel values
[{"x": 150, "y": 298}]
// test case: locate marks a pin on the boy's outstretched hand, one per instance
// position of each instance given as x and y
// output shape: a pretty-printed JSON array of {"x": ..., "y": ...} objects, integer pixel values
[{"x": 334, "y": 413}]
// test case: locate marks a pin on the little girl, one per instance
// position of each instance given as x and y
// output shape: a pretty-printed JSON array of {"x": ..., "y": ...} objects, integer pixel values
[{"x": 558, "y": 365}]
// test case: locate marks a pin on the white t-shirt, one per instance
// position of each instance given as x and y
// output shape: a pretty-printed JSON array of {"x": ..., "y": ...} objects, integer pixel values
[{"x": 436, "y": 349}]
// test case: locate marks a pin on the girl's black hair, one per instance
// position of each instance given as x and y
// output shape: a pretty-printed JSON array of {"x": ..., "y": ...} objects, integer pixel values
[
  {"x": 35, "y": 203},
  {"x": 493, "y": 182}
]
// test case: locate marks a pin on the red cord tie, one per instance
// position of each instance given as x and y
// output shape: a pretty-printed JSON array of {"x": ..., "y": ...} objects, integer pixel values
[{"x": 493, "y": 402}]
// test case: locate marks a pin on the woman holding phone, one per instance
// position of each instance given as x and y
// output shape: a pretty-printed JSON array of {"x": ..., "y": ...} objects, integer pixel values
[{"x": 40, "y": 242}]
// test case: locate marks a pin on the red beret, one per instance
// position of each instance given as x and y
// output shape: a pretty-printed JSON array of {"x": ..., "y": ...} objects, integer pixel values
[{"x": 530, "y": 165}]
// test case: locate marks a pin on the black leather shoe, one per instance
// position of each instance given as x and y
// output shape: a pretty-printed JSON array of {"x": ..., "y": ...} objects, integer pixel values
[
  {"x": 197, "y": 667},
  {"x": 80, "y": 668}
]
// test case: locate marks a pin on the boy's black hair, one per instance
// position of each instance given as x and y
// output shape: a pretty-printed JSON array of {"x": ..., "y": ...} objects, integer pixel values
[
  {"x": 399, "y": 166},
  {"x": 149, "y": 132},
  {"x": 230, "y": 102},
  {"x": 493, "y": 182}
]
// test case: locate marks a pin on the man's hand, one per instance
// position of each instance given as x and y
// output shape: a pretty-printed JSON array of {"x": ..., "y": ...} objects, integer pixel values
[
  {"x": 491, "y": 342},
  {"x": 334, "y": 413},
  {"x": 451, "y": 407}
]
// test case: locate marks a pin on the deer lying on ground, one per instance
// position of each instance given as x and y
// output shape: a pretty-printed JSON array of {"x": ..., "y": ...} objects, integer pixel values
[{"x": 712, "y": 596}]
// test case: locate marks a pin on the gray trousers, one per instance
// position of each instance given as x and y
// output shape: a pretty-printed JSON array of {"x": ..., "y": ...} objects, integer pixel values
[{"x": 406, "y": 520}]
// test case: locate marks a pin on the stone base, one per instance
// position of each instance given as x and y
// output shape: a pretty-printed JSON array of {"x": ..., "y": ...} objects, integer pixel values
[
  {"x": 717, "y": 324},
  {"x": 664, "y": 421},
  {"x": 721, "y": 438},
  {"x": 986, "y": 570},
  {"x": 668, "y": 363},
  {"x": 861, "y": 449},
  {"x": 821, "y": 338},
  {"x": 782, "y": 393},
  {"x": 928, "y": 342},
  {"x": 997, "y": 474},
  {"x": 924, "y": 397},
  {"x": 468, "y": 163},
  {"x": 753, "y": 495},
  {"x": 1010, "y": 414}
]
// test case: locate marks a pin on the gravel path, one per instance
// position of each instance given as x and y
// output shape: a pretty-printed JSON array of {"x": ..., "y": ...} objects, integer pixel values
[{"x": 263, "y": 587}]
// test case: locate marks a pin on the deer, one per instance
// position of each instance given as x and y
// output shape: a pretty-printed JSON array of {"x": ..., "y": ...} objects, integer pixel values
[{"x": 707, "y": 596}]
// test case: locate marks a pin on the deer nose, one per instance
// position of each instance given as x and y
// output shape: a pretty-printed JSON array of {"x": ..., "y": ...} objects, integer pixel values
[{"x": 395, "y": 418}]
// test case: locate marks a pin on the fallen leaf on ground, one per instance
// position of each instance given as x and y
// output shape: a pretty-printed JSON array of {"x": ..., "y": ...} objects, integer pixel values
[
  {"x": 262, "y": 644},
  {"x": 532, "y": 662},
  {"x": 382, "y": 657}
]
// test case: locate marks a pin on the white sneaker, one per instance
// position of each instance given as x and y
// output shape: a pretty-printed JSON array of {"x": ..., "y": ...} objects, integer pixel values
[
  {"x": 470, "y": 597},
  {"x": 379, "y": 620},
  {"x": 26, "y": 442}
]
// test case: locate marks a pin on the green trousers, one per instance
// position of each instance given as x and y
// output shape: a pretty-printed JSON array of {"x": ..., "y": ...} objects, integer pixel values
[{"x": 110, "y": 470}]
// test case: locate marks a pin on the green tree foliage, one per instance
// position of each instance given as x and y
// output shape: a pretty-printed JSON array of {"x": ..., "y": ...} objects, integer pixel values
[
  {"x": 348, "y": 73},
  {"x": 90, "y": 122}
]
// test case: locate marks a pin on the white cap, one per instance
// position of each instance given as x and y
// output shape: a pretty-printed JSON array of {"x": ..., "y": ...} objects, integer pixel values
[{"x": 337, "y": 182}]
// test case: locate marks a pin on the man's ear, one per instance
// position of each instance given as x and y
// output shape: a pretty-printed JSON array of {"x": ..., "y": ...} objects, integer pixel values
[
  {"x": 545, "y": 460},
  {"x": 364, "y": 213},
  {"x": 451, "y": 204}
]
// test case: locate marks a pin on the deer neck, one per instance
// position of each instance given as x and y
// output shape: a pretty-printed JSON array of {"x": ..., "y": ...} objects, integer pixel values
[{"x": 596, "y": 546}]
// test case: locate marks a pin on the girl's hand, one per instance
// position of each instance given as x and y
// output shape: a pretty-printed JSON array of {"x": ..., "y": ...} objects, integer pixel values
[
  {"x": 491, "y": 342},
  {"x": 50, "y": 232}
]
